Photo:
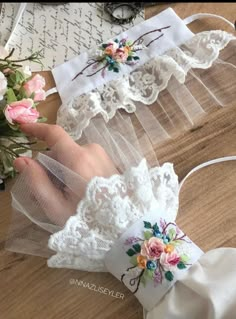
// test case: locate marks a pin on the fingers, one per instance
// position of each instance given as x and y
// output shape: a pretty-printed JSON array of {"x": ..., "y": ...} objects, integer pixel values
[
  {"x": 38, "y": 191},
  {"x": 51, "y": 134}
]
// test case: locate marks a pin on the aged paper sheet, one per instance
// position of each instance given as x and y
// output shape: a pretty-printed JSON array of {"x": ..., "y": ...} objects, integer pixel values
[{"x": 59, "y": 31}]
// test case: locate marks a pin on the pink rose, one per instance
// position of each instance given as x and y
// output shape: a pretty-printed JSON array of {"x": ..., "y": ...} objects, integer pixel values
[
  {"x": 35, "y": 85},
  {"x": 169, "y": 261},
  {"x": 21, "y": 112},
  {"x": 120, "y": 55},
  {"x": 152, "y": 248}
]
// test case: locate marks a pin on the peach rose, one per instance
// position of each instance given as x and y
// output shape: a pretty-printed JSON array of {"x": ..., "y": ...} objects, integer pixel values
[
  {"x": 152, "y": 248},
  {"x": 35, "y": 85},
  {"x": 169, "y": 261},
  {"x": 21, "y": 112}
]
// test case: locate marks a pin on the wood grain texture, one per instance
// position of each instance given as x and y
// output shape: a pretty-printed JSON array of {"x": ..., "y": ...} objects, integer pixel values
[{"x": 30, "y": 290}]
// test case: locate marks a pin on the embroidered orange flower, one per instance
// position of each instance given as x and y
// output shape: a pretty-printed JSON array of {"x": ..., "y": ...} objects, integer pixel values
[
  {"x": 169, "y": 249},
  {"x": 142, "y": 261}
]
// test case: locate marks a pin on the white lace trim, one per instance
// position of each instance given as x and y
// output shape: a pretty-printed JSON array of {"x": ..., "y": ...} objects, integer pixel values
[
  {"x": 143, "y": 84},
  {"x": 110, "y": 207}
]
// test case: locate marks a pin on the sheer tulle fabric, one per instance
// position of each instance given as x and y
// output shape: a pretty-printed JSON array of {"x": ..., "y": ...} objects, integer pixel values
[{"x": 30, "y": 228}]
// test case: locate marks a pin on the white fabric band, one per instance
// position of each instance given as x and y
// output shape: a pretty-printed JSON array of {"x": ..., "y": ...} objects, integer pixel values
[
  {"x": 205, "y": 164},
  {"x": 143, "y": 259},
  {"x": 173, "y": 32}
]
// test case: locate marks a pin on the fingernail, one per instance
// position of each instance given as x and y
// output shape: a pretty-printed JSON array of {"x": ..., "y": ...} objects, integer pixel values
[{"x": 20, "y": 164}]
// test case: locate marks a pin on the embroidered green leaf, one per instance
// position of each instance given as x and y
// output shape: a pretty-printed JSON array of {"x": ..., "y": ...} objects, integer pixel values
[
  {"x": 130, "y": 58},
  {"x": 137, "y": 248},
  {"x": 147, "y": 225},
  {"x": 133, "y": 260},
  {"x": 147, "y": 234},
  {"x": 172, "y": 233},
  {"x": 148, "y": 273},
  {"x": 115, "y": 69},
  {"x": 176, "y": 242},
  {"x": 155, "y": 227},
  {"x": 184, "y": 258},
  {"x": 181, "y": 265},
  {"x": 136, "y": 58},
  {"x": 110, "y": 67},
  {"x": 169, "y": 276},
  {"x": 128, "y": 43},
  {"x": 130, "y": 252},
  {"x": 104, "y": 45}
]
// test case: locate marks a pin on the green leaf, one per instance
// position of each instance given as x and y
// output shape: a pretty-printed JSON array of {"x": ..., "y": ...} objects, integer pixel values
[
  {"x": 137, "y": 248},
  {"x": 11, "y": 80},
  {"x": 115, "y": 69},
  {"x": 148, "y": 274},
  {"x": 136, "y": 58},
  {"x": 19, "y": 77},
  {"x": 11, "y": 96},
  {"x": 184, "y": 258},
  {"x": 104, "y": 45},
  {"x": 41, "y": 120},
  {"x": 130, "y": 252},
  {"x": 155, "y": 227},
  {"x": 130, "y": 58},
  {"x": 147, "y": 225},
  {"x": 110, "y": 67},
  {"x": 181, "y": 265},
  {"x": 172, "y": 233},
  {"x": 169, "y": 276},
  {"x": 133, "y": 260},
  {"x": 147, "y": 234}
]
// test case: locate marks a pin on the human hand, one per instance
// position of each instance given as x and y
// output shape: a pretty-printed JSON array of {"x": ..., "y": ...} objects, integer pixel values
[{"x": 87, "y": 161}]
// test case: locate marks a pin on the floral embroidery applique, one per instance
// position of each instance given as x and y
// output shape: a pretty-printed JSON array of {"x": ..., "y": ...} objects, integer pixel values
[
  {"x": 157, "y": 255},
  {"x": 114, "y": 53}
]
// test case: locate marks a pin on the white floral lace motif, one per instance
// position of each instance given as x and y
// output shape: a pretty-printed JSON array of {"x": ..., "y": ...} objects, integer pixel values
[
  {"x": 144, "y": 84},
  {"x": 108, "y": 209}
]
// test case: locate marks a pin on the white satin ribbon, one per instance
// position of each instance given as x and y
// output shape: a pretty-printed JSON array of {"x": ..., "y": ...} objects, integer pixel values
[
  {"x": 205, "y": 164},
  {"x": 199, "y": 16}
]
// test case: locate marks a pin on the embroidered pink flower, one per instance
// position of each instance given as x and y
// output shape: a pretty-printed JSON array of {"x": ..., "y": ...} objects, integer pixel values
[
  {"x": 21, "y": 112},
  {"x": 152, "y": 248},
  {"x": 35, "y": 85},
  {"x": 3, "y": 85},
  {"x": 121, "y": 55},
  {"x": 169, "y": 261}
]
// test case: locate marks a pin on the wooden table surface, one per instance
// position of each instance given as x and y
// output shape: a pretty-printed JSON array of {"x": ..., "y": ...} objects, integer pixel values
[{"x": 30, "y": 290}]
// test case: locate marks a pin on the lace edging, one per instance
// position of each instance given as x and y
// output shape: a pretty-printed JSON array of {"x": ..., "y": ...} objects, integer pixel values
[{"x": 109, "y": 207}]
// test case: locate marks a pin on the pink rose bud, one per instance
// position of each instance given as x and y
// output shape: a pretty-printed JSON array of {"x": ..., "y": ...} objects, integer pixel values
[
  {"x": 169, "y": 261},
  {"x": 35, "y": 85},
  {"x": 21, "y": 112}
]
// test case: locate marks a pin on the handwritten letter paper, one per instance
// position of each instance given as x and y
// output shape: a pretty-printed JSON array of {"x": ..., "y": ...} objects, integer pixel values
[{"x": 60, "y": 31}]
